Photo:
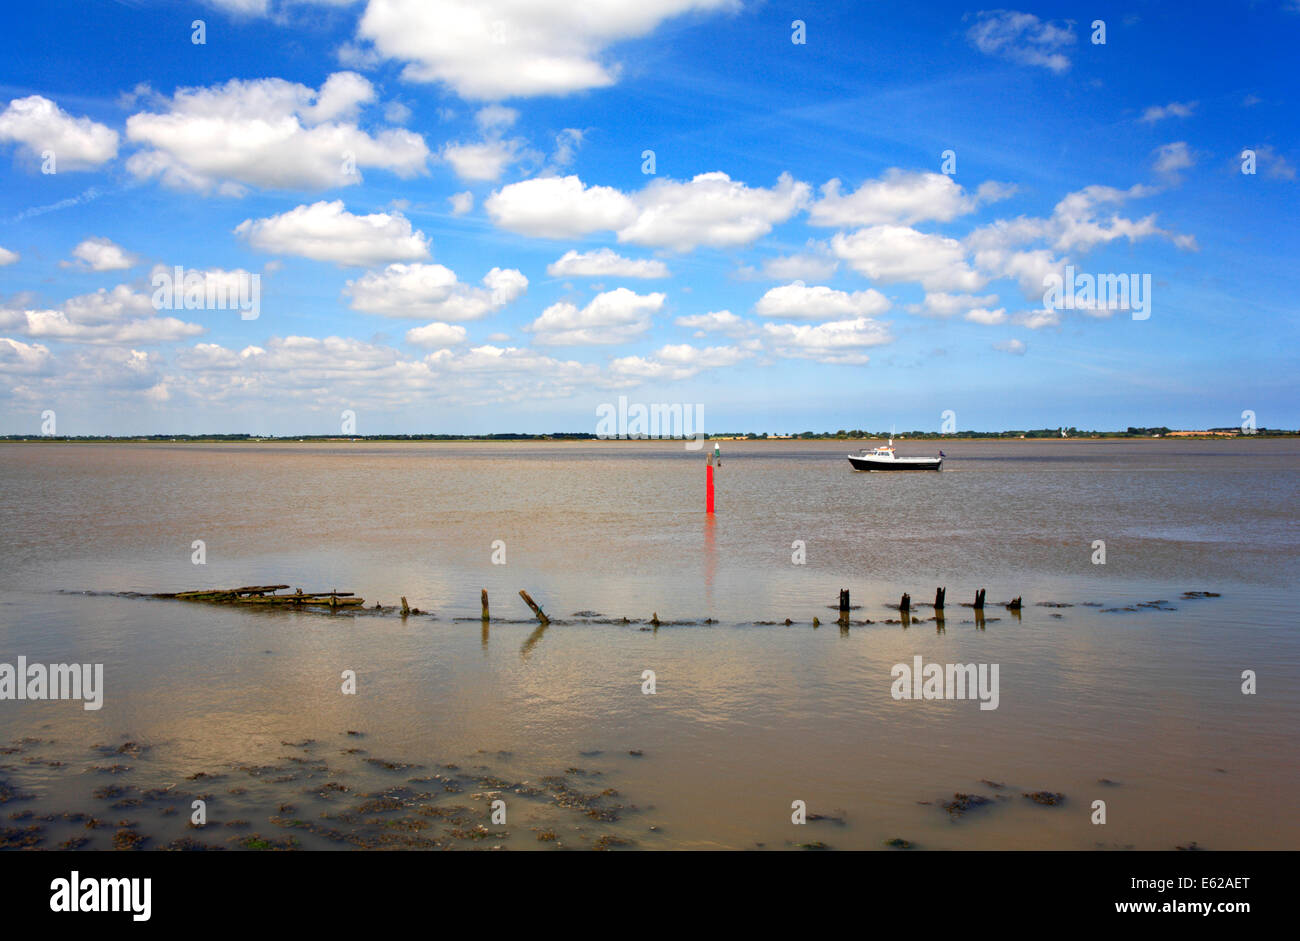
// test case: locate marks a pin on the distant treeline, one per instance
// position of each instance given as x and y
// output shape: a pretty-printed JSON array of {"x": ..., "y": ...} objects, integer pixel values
[
  {"x": 505, "y": 436},
  {"x": 1070, "y": 432}
]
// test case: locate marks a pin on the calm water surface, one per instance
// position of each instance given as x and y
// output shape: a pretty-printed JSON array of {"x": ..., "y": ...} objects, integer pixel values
[{"x": 244, "y": 708}]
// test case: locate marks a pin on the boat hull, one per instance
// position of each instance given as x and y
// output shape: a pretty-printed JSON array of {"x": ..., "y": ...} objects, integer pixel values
[{"x": 898, "y": 464}]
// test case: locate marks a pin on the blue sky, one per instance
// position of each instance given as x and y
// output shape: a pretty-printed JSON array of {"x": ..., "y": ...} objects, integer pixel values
[{"x": 405, "y": 178}]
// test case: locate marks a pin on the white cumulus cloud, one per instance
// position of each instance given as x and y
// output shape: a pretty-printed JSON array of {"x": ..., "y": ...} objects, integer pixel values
[
  {"x": 422, "y": 290},
  {"x": 711, "y": 209},
  {"x": 101, "y": 254},
  {"x": 835, "y": 342},
  {"x": 891, "y": 253},
  {"x": 819, "y": 302},
  {"x": 901, "y": 197},
  {"x": 559, "y": 208},
  {"x": 326, "y": 231},
  {"x": 610, "y": 317},
  {"x": 604, "y": 263},
  {"x": 269, "y": 133},
  {"x": 495, "y": 49},
  {"x": 38, "y": 125}
]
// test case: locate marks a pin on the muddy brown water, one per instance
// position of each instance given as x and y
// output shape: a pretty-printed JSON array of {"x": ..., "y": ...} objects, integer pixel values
[{"x": 1110, "y": 698}]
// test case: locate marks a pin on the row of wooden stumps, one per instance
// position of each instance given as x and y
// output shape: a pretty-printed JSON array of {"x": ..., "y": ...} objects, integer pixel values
[
  {"x": 905, "y": 603},
  {"x": 269, "y": 595}
]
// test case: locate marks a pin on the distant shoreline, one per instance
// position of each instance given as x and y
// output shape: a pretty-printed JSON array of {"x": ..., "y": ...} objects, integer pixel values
[{"x": 587, "y": 438}]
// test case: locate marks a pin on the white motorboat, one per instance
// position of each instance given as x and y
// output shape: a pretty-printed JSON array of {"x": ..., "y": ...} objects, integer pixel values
[{"x": 884, "y": 459}]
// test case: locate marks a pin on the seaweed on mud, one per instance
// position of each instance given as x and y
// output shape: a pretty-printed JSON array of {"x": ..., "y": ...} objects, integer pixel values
[
  {"x": 596, "y": 805},
  {"x": 1046, "y": 798},
  {"x": 21, "y": 838},
  {"x": 9, "y": 793},
  {"x": 128, "y": 839},
  {"x": 304, "y": 762},
  {"x": 254, "y": 771},
  {"x": 187, "y": 844},
  {"x": 258, "y": 842},
  {"x": 459, "y": 815},
  {"x": 475, "y": 832},
  {"x": 378, "y": 805},
  {"x": 326, "y": 790},
  {"x": 390, "y": 765},
  {"x": 899, "y": 843},
  {"x": 826, "y": 818},
  {"x": 609, "y": 842},
  {"x": 964, "y": 803}
]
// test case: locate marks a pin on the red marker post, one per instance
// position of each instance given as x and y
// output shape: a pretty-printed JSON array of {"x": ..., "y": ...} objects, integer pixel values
[{"x": 708, "y": 486}]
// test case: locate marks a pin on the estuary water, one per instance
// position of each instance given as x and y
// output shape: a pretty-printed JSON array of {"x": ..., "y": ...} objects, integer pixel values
[{"x": 1115, "y": 684}]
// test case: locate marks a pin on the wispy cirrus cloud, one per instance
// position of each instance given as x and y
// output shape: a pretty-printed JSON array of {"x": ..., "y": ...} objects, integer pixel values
[
  {"x": 1175, "y": 109},
  {"x": 1023, "y": 38}
]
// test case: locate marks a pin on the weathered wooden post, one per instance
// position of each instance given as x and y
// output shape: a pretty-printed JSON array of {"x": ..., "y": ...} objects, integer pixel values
[
  {"x": 844, "y": 606},
  {"x": 541, "y": 615},
  {"x": 1015, "y": 604},
  {"x": 979, "y": 599},
  {"x": 484, "y": 598},
  {"x": 406, "y": 608},
  {"x": 938, "y": 598},
  {"x": 905, "y": 604}
]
